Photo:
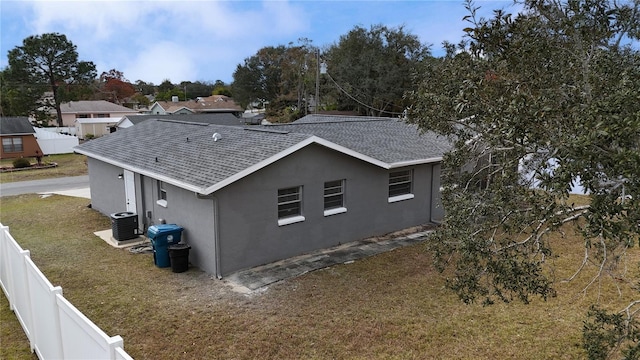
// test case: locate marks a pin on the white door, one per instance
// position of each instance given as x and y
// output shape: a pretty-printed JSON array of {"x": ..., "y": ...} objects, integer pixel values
[{"x": 130, "y": 190}]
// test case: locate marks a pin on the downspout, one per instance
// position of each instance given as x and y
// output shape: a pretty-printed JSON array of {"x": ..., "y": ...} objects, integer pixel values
[
  {"x": 143, "y": 205},
  {"x": 216, "y": 237}
]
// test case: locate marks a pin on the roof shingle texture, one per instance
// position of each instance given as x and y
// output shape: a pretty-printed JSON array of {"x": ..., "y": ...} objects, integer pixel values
[
  {"x": 15, "y": 125},
  {"x": 186, "y": 152},
  {"x": 93, "y": 106},
  {"x": 215, "y": 118},
  {"x": 386, "y": 139}
]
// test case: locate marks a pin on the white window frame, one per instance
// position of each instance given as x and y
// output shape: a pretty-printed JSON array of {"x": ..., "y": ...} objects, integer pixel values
[
  {"x": 162, "y": 194},
  {"x": 400, "y": 178},
  {"x": 329, "y": 186},
  {"x": 285, "y": 198}
]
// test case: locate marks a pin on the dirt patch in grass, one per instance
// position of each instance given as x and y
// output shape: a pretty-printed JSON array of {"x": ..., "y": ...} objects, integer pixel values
[
  {"x": 390, "y": 306},
  {"x": 67, "y": 165}
]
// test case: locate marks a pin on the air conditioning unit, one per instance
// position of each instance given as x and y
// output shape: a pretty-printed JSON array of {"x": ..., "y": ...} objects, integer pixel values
[{"x": 124, "y": 225}]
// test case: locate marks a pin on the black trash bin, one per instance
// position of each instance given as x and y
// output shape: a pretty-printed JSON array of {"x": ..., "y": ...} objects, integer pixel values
[{"x": 179, "y": 256}]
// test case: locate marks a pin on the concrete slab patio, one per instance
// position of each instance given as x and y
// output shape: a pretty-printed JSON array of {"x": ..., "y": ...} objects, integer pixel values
[{"x": 258, "y": 277}]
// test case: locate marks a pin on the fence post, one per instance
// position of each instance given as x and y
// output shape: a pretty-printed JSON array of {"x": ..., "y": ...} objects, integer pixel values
[{"x": 5, "y": 269}]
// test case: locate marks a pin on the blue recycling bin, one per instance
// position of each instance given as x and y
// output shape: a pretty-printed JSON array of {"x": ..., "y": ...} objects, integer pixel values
[{"x": 162, "y": 236}]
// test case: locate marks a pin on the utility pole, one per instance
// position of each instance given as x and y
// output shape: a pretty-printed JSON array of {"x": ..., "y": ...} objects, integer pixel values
[{"x": 317, "y": 99}]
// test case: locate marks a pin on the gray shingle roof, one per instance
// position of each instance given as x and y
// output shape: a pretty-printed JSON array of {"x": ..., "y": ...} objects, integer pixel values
[
  {"x": 207, "y": 118},
  {"x": 93, "y": 106},
  {"x": 186, "y": 155},
  {"x": 15, "y": 125},
  {"x": 387, "y": 139}
]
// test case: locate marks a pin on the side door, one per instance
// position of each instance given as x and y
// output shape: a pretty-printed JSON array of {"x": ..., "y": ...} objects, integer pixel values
[{"x": 130, "y": 191}]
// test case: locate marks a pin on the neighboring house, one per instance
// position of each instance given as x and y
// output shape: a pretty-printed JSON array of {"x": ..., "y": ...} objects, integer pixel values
[
  {"x": 92, "y": 110},
  {"x": 252, "y": 195},
  {"x": 211, "y": 104},
  {"x": 95, "y": 127},
  {"x": 18, "y": 138},
  {"x": 214, "y": 118}
]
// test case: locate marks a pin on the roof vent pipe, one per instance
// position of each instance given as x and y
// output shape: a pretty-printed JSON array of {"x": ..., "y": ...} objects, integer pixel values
[{"x": 216, "y": 136}]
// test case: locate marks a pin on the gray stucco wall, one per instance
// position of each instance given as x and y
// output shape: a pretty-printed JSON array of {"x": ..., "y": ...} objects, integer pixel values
[
  {"x": 246, "y": 211},
  {"x": 248, "y": 227},
  {"x": 185, "y": 209},
  {"x": 107, "y": 190}
]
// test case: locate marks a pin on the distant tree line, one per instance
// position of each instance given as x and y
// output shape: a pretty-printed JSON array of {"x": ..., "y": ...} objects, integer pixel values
[
  {"x": 45, "y": 72},
  {"x": 367, "y": 72}
]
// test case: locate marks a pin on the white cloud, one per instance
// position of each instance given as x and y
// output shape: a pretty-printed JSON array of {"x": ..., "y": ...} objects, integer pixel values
[
  {"x": 161, "y": 60},
  {"x": 139, "y": 37}
]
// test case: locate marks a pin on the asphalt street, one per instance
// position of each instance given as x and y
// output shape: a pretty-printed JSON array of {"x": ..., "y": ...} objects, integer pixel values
[{"x": 44, "y": 186}]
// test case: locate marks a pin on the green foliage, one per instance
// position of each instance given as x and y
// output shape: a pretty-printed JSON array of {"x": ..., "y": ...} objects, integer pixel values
[
  {"x": 49, "y": 62},
  {"x": 169, "y": 94},
  {"x": 145, "y": 88},
  {"x": 141, "y": 99},
  {"x": 220, "y": 88},
  {"x": 282, "y": 74},
  {"x": 545, "y": 99},
  {"x": 373, "y": 68},
  {"x": 606, "y": 333},
  {"x": 20, "y": 163}
]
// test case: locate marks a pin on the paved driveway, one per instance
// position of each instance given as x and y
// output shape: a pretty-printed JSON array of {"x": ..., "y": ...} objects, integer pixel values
[{"x": 72, "y": 186}]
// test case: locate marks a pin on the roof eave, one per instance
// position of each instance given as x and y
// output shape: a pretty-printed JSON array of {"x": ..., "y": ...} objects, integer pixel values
[{"x": 140, "y": 171}]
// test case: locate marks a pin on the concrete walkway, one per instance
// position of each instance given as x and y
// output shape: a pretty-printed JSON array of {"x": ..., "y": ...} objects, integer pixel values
[{"x": 258, "y": 277}]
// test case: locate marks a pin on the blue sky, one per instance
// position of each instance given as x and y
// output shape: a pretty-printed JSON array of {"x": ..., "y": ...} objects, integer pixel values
[{"x": 206, "y": 40}]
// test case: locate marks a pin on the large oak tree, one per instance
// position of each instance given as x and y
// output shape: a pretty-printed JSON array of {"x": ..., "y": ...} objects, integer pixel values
[
  {"x": 546, "y": 100},
  {"x": 372, "y": 69}
]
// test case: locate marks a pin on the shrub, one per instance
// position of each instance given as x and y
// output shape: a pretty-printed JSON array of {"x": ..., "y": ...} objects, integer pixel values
[
  {"x": 21, "y": 163},
  {"x": 89, "y": 136}
]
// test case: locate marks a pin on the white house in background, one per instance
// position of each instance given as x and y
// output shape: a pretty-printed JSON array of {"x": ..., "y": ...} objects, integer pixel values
[
  {"x": 95, "y": 127},
  {"x": 210, "y": 104},
  {"x": 92, "y": 109},
  {"x": 54, "y": 143}
]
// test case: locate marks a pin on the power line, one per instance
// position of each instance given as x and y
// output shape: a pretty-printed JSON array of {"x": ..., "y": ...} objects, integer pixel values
[{"x": 358, "y": 101}]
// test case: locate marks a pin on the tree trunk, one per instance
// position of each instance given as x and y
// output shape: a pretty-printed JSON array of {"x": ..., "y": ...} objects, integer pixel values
[{"x": 56, "y": 103}]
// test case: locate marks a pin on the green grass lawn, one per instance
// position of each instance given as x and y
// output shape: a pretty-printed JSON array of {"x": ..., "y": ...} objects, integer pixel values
[
  {"x": 390, "y": 306},
  {"x": 68, "y": 165}
]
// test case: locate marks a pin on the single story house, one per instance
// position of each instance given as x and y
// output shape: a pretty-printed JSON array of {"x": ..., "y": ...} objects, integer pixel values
[
  {"x": 92, "y": 109},
  {"x": 94, "y": 127},
  {"x": 18, "y": 138},
  {"x": 252, "y": 195},
  {"x": 210, "y": 104}
]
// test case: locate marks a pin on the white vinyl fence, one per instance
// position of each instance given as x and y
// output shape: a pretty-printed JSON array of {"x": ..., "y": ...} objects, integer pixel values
[{"x": 54, "y": 327}]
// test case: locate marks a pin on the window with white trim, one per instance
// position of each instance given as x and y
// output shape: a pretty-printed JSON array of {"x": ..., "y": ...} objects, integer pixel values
[
  {"x": 162, "y": 194},
  {"x": 13, "y": 144},
  {"x": 334, "y": 197},
  {"x": 400, "y": 185},
  {"x": 162, "y": 191},
  {"x": 290, "y": 205}
]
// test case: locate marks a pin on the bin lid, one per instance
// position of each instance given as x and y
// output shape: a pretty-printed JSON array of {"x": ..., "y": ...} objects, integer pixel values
[
  {"x": 179, "y": 247},
  {"x": 163, "y": 228},
  {"x": 160, "y": 229}
]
